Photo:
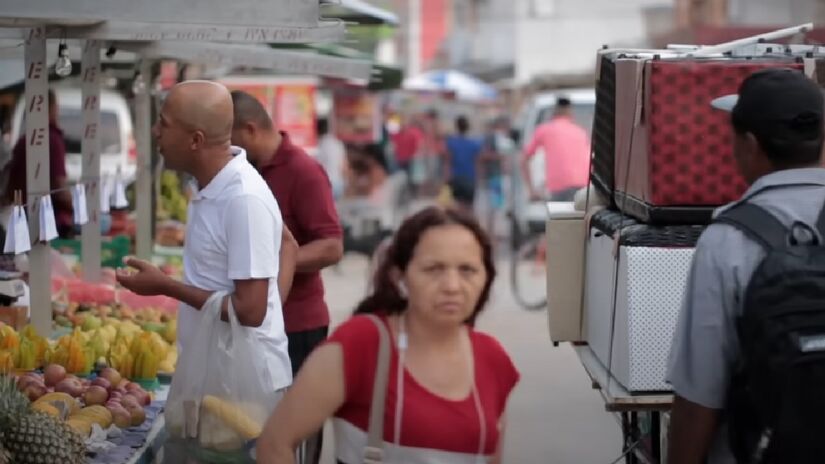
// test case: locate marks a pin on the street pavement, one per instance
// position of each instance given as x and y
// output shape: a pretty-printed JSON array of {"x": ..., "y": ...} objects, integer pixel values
[{"x": 554, "y": 416}]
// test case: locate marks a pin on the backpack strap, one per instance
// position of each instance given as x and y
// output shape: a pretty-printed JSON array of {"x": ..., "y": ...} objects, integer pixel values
[
  {"x": 756, "y": 223},
  {"x": 820, "y": 226}
]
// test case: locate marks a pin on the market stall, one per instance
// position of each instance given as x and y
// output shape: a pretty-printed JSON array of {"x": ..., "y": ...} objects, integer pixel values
[{"x": 135, "y": 344}]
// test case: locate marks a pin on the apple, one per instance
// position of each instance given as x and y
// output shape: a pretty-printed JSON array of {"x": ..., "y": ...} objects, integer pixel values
[
  {"x": 131, "y": 399},
  {"x": 132, "y": 386},
  {"x": 137, "y": 414},
  {"x": 111, "y": 375},
  {"x": 102, "y": 382},
  {"x": 34, "y": 391},
  {"x": 123, "y": 383},
  {"x": 70, "y": 386},
  {"x": 95, "y": 395},
  {"x": 121, "y": 417},
  {"x": 25, "y": 381},
  {"x": 53, "y": 374},
  {"x": 142, "y": 397}
]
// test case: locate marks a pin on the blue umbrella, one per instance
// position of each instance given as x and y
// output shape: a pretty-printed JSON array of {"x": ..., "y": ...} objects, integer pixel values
[{"x": 465, "y": 87}]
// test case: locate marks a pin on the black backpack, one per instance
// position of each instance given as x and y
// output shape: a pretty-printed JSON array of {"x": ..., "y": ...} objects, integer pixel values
[{"x": 776, "y": 402}]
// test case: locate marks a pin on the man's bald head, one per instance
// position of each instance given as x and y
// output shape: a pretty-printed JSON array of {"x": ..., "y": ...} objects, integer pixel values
[{"x": 202, "y": 106}]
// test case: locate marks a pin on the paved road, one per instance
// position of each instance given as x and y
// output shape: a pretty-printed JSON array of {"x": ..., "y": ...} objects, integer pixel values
[{"x": 554, "y": 417}]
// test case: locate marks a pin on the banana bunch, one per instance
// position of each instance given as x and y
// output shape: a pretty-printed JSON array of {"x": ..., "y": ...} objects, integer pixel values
[
  {"x": 6, "y": 361},
  {"x": 99, "y": 344},
  {"x": 169, "y": 364},
  {"x": 170, "y": 332},
  {"x": 148, "y": 350},
  {"x": 25, "y": 355},
  {"x": 146, "y": 364},
  {"x": 40, "y": 345},
  {"x": 121, "y": 359},
  {"x": 9, "y": 339},
  {"x": 72, "y": 352}
]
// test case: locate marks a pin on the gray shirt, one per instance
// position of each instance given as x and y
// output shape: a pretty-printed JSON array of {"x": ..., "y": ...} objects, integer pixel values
[{"x": 705, "y": 345}]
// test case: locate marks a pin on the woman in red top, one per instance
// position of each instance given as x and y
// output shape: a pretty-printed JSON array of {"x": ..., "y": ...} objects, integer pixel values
[{"x": 449, "y": 384}]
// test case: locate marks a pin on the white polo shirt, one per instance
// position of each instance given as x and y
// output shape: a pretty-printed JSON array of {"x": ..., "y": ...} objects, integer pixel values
[{"x": 234, "y": 233}]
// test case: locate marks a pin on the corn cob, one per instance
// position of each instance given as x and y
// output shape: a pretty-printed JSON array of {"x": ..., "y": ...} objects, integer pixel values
[{"x": 233, "y": 417}]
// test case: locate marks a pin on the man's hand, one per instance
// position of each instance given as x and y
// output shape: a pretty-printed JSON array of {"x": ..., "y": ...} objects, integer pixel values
[
  {"x": 692, "y": 428},
  {"x": 147, "y": 281}
]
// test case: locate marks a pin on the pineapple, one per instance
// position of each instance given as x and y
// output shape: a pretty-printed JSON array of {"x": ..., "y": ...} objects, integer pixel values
[
  {"x": 29, "y": 436},
  {"x": 39, "y": 438}
]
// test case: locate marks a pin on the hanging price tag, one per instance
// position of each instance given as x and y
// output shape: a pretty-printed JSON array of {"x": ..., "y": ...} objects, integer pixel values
[
  {"x": 8, "y": 246},
  {"x": 22, "y": 239},
  {"x": 81, "y": 211},
  {"x": 120, "y": 200},
  {"x": 105, "y": 195},
  {"x": 48, "y": 227}
]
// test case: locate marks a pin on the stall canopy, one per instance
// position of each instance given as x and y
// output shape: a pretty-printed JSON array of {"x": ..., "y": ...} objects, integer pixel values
[
  {"x": 270, "y": 21},
  {"x": 99, "y": 22},
  {"x": 383, "y": 77},
  {"x": 360, "y": 12},
  {"x": 253, "y": 56}
]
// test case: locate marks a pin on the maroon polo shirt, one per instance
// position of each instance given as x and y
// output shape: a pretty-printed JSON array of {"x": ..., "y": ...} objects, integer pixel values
[{"x": 304, "y": 195}]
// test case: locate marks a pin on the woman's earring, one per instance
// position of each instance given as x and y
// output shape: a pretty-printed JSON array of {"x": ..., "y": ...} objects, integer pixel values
[{"x": 402, "y": 289}]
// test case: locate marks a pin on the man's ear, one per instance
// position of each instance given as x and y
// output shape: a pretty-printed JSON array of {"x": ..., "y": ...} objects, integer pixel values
[
  {"x": 198, "y": 140},
  {"x": 752, "y": 143}
]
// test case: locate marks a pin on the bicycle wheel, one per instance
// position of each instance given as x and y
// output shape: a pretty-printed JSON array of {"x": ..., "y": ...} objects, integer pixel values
[{"x": 528, "y": 274}]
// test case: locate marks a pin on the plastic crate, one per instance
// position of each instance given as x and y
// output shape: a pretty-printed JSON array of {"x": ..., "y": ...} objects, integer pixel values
[{"x": 112, "y": 250}]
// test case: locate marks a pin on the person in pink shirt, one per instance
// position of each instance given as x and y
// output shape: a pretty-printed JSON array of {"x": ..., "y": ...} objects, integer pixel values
[{"x": 566, "y": 155}]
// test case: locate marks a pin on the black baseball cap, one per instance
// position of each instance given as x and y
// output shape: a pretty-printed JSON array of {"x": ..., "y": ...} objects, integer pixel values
[{"x": 777, "y": 104}]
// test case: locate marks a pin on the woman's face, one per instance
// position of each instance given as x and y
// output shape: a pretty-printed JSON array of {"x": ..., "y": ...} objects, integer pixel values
[{"x": 446, "y": 275}]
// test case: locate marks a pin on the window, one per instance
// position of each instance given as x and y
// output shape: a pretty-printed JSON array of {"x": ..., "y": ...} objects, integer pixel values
[{"x": 71, "y": 122}]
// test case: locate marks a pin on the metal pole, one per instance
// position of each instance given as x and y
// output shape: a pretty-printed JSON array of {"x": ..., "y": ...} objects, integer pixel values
[
  {"x": 37, "y": 174},
  {"x": 414, "y": 38},
  {"x": 143, "y": 134},
  {"x": 90, "y": 162}
]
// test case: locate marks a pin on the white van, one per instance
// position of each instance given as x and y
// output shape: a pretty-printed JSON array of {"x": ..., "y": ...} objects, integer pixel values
[{"x": 117, "y": 143}]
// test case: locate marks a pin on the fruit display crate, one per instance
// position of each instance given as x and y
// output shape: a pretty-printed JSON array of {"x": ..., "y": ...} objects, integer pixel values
[{"x": 113, "y": 250}]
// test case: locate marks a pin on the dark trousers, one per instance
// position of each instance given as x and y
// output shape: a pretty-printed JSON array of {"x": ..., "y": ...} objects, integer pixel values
[{"x": 301, "y": 345}]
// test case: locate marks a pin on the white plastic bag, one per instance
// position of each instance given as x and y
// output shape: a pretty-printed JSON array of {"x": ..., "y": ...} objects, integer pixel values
[{"x": 220, "y": 395}]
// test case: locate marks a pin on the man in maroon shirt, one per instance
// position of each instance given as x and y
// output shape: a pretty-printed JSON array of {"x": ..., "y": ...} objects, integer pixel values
[
  {"x": 304, "y": 195},
  {"x": 62, "y": 200}
]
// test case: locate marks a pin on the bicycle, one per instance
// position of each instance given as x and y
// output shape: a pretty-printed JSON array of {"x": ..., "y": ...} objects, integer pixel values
[{"x": 528, "y": 267}]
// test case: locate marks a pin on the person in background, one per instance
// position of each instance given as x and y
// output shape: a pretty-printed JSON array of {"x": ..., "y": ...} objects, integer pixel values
[
  {"x": 62, "y": 199},
  {"x": 232, "y": 236},
  {"x": 566, "y": 155},
  {"x": 777, "y": 121},
  {"x": 464, "y": 152},
  {"x": 433, "y": 160},
  {"x": 496, "y": 153},
  {"x": 304, "y": 195},
  {"x": 333, "y": 157},
  {"x": 368, "y": 171},
  {"x": 448, "y": 405},
  {"x": 407, "y": 142}
]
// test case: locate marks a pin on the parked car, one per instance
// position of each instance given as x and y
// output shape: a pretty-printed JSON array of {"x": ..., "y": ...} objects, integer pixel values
[{"x": 117, "y": 143}]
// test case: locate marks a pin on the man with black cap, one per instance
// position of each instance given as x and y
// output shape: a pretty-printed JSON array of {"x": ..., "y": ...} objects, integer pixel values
[{"x": 777, "y": 119}]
